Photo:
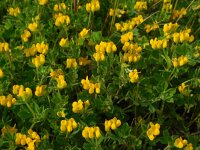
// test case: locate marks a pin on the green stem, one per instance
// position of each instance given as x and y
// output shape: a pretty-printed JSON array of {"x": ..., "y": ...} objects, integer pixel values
[
  {"x": 30, "y": 109},
  {"x": 90, "y": 14}
]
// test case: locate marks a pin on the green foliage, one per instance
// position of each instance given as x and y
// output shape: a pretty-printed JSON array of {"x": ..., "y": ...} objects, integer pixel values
[{"x": 163, "y": 93}]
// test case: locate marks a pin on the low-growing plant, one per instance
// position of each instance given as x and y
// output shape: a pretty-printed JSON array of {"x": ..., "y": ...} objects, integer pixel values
[{"x": 100, "y": 74}]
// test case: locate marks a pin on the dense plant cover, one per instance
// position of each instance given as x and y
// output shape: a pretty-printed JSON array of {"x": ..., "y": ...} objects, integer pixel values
[{"x": 100, "y": 74}]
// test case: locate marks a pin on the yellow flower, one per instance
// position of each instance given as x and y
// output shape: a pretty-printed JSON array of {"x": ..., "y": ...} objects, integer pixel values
[
  {"x": 8, "y": 129},
  {"x": 71, "y": 62},
  {"x": 182, "y": 88},
  {"x": 97, "y": 87},
  {"x": 83, "y": 61},
  {"x": 112, "y": 124},
  {"x": 169, "y": 28},
  {"x": 61, "y": 83},
  {"x": 140, "y": 6},
  {"x": 30, "y": 51},
  {"x": 38, "y": 60},
  {"x": 63, "y": 42},
  {"x": 42, "y": 2},
  {"x": 179, "y": 13},
  {"x": 33, "y": 26},
  {"x": 91, "y": 132},
  {"x": 133, "y": 75},
  {"x": 118, "y": 26},
  {"x": 93, "y": 6},
  {"x": 60, "y": 6},
  {"x": 61, "y": 19},
  {"x": 4, "y": 47},
  {"x": 189, "y": 147},
  {"x": 61, "y": 114},
  {"x": 180, "y": 143},
  {"x": 42, "y": 48},
  {"x": 25, "y": 35},
  {"x": 153, "y": 131},
  {"x": 182, "y": 60},
  {"x": 111, "y": 12},
  {"x": 68, "y": 125},
  {"x": 77, "y": 107},
  {"x": 33, "y": 135},
  {"x": 1, "y": 73},
  {"x": 150, "y": 28},
  {"x": 83, "y": 33},
  {"x": 20, "y": 139},
  {"x": 26, "y": 94},
  {"x": 14, "y": 11},
  {"x": 88, "y": 7},
  {"x": 40, "y": 90},
  {"x": 158, "y": 44},
  {"x": 87, "y": 104}
]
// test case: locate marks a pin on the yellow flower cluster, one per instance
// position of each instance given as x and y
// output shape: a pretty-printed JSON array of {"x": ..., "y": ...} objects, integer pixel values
[
  {"x": 181, "y": 88},
  {"x": 83, "y": 61},
  {"x": 78, "y": 107},
  {"x": 59, "y": 77},
  {"x": 179, "y": 13},
  {"x": 167, "y": 6},
  {"x": 40, "y": 90},
  {"x": 91, "y": 87},
  {"x": 38, "y": 60},
  {"x": 4, "y": 47},
  {"x": 130, "y": 24},
  {"x": 59, "y": 7},
  {"x": 43, "y": 2},
  {"x": 1, "y": 73},
  {"x": 14, "y": 11},
  {"x": 126, "y": 37},
  {"x": 29, "y": 140},
  {"x": 41, "y": 48},
  {"x": 140, "y": 5},
  {"x": 183, "y": 143},
  {"x": 63, "y": 42},
  {"x": 169, "y": 28},
  {"x": 180, "y": 61},
  {"x": 83, "y": 33},
  {"x": 153, "y": 131},
  {"x": 61, "y": 114},
  {"x": 60, "y": 19},
  {"x": 152, "y": 27},
  {"x": 21, "y": 92},
  {"x": 7, "y": 101},
  {"x": 8, "y": 129},
  {"x": 91, "y": 132},
  {"x": 103, "y": 47},
  {"x": 112, "y": 124},
  {"x": 33, "y": 26},
  {"x": 183, "y": 36},
  {"x": 71, "y": 62},
  {"x": 158, "y": 44},
  {"x": 26, "y": 35},
  {"x": 116, "y": 12},
  {"x": 93, "y": 6},
  {"x": 133, "y": 75},
  {"x": 132, "y": 52},
  {"x": 68, "y": 125}
]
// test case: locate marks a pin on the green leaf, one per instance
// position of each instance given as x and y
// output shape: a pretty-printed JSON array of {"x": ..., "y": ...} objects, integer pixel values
[
  {"x": 168, "y": 94},
  {"x": 24, "y": 114},
  {"x": 123, "y": 131},
  {"x": 96, "y": 36},
  {"x": 152, "y": 108}
]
